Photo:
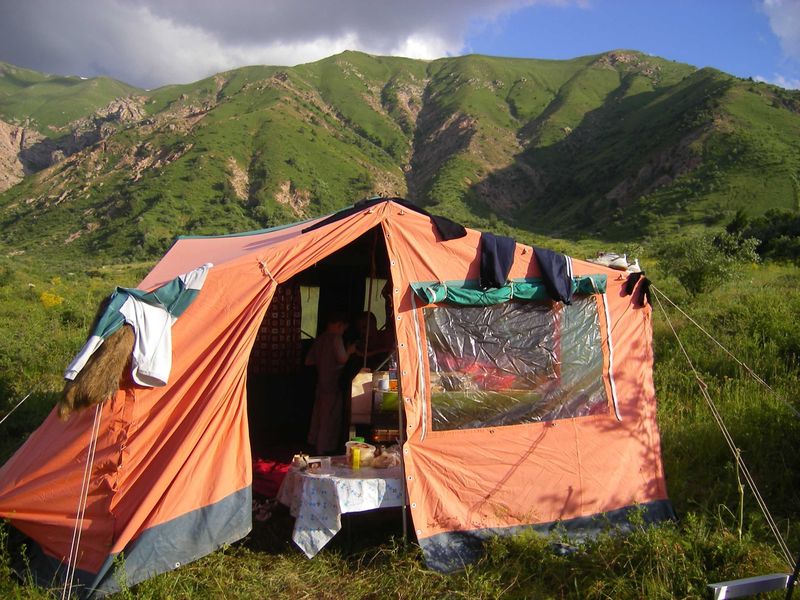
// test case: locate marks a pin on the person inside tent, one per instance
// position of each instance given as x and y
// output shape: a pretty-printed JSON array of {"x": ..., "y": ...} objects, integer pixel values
[
  {"x": 379, "y": 343},
  {"x": 328, "y": 355},
  {"x": 376, "y": 344}
]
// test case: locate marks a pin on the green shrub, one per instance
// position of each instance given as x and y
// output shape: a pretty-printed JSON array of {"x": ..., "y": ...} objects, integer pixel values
[{"x": 702, "y": 261}]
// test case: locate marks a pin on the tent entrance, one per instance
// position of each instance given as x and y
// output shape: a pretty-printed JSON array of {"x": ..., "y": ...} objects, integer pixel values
[{"x": 280, "y": 388}]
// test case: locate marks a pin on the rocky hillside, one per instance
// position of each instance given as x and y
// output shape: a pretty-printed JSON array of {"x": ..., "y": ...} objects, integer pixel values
[{"x": 617, "y": 145}]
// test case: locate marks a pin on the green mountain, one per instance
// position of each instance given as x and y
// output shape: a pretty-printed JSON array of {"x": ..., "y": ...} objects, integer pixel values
[
  {"x": 49, "y": 103},
  {"x": 618, "y": 146}
]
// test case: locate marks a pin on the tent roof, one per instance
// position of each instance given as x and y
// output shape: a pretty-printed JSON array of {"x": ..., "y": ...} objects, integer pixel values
[{"x": 185, "y": 253}]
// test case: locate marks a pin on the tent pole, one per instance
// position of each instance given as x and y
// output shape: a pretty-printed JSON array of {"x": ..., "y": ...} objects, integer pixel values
[
  {"x": 369, "y": 297},
  {"x": 402, "y": 461}
]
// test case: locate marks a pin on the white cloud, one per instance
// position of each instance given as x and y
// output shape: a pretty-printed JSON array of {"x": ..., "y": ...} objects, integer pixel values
[
  {"x": 781, "y": 81},
  {"x": 784, "y": 19},
  {"x": 425, "y": 47},
  {"x": 153, "y": 42}
]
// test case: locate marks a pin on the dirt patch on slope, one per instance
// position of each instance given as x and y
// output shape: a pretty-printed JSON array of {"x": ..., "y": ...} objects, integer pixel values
[
  {"x": 238, "y": 178},
  {"x": 12, "y": 141},
  {"x": 292, "y": 197},
  {"x": 148, "y": 157}
]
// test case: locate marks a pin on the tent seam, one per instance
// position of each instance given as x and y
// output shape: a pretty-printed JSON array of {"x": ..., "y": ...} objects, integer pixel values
[
  {"x": 421, "y": 368},
  {"x": 611, "y": 359}
]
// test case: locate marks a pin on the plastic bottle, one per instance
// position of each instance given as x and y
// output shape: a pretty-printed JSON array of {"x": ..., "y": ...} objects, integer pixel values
[{"x": 393, "y": 374}]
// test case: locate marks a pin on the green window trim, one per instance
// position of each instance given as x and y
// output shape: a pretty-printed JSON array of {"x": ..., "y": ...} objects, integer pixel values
[{"x": 468, "y": 293}]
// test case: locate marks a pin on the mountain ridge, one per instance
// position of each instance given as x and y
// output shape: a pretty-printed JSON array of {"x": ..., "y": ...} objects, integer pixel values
[{"x": 618, "y": 144}]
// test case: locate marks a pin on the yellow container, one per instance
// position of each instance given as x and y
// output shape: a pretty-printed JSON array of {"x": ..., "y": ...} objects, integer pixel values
[{"x": 365, "y": 453}]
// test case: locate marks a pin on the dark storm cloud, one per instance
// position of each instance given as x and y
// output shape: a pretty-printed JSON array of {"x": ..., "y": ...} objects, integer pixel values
[{"x": 153, "y": 42}]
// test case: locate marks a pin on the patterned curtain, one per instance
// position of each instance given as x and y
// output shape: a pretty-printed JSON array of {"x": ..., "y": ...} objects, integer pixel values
[{"x": 277, "y": 347}]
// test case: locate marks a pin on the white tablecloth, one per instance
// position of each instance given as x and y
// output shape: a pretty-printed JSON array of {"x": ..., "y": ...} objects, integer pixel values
[{"x": 317, "y": 501}]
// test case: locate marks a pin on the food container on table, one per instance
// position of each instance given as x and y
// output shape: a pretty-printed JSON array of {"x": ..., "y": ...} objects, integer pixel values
[
  {"x": 318, "y": 464},
  {"x": 365, "y": 453}
]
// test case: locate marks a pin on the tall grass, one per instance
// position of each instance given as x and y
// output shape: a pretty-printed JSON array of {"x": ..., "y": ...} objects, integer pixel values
[
  {"x": 757, "y": 319},
  {"x": 664, "y": 562}
]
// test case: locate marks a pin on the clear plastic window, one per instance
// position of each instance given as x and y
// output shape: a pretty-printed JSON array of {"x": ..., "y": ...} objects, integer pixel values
[{"x": 518, "y": 362}]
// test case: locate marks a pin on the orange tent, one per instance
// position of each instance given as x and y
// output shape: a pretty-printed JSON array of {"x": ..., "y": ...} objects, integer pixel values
[{"x": 565, "y": 434}]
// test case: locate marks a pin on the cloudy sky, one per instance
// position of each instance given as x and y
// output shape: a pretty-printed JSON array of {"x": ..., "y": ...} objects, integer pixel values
[{"x": 150, "y": 43}]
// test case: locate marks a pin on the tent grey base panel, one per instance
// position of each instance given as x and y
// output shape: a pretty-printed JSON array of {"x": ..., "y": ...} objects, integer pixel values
[
  {"x": 452, "y": 551},
  {"x": 157, "y": 550}
]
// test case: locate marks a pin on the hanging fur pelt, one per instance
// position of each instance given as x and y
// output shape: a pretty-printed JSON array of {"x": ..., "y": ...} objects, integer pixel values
[{"x": 100, "y": 377}]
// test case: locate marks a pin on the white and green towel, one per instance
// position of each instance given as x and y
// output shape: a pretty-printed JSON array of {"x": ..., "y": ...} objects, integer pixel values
[{"x": 151, "y": 314}]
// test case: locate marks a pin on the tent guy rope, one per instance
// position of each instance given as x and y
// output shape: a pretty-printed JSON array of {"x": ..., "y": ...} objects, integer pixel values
[
  {"x": 750, "y": 371},
  {"x": 784, "y": 548},
  {"x": 81, "y": 511},
  {"x": 15, "y": 408}
]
